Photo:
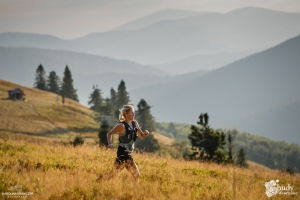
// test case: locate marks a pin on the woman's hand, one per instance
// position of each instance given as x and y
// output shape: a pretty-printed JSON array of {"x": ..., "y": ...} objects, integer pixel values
[
  {"x": 145, "y": 134},
  {"x": 110, "y": 146}
]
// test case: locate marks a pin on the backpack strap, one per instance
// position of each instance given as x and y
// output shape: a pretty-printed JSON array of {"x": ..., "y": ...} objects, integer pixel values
[{"x": 134, "y": 129}]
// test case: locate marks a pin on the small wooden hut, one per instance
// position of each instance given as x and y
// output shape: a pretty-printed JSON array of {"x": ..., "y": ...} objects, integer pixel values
[{"x": 16, "y": 94}]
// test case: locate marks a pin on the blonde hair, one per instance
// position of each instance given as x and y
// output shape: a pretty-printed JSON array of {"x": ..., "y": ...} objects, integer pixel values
[{"x": 124, "y": 110}]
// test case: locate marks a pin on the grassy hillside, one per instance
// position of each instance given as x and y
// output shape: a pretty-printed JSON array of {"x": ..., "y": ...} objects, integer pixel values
[
  {"x": 41, "y": 115},
  {"x": 163, "y": 140},
  {"x": 31, "y": 162},
  {"x": 48, "y": 171}
]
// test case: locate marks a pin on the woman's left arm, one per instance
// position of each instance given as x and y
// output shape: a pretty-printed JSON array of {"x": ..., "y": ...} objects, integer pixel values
[{"x": 140, "y": 133}]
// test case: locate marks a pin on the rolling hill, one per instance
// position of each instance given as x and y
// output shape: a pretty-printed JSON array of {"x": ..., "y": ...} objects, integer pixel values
[
  {"x": 259, "y": 82},
  {"x": 281, "y": 122},
  {"x": 54, "y": 171},
  {"x": 19, "y": 65},
  {"x": 14, "y": 39},
  {"x": 81, "y": 63},
  {"x": 42, "y": 118},
  {"x": 201, "y": 62},
  {"x": 161, "y": 42},
  {"x": 248, "y": 28},
  {"x": 41, "y": 115}
]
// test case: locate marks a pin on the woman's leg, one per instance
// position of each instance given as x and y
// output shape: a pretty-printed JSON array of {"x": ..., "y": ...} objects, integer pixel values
[
  {"x": 118, "y": 167},
  {"x": 133, "y": 169}
]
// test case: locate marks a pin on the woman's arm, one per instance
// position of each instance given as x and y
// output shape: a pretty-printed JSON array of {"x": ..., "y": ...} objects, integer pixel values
[
  {"x": 140, "y": 133},
  {"x": 120, "y": 128}
]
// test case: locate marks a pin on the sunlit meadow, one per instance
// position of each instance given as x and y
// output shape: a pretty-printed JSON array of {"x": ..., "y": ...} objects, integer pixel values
[{"x": 47, "y": 170}]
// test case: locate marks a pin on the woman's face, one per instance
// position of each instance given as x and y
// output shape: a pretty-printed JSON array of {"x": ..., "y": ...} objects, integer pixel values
[{"x": 130, "y": 115}]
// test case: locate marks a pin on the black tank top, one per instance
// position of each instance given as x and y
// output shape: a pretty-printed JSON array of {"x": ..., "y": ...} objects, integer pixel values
[{"x": 127, "y": 140}]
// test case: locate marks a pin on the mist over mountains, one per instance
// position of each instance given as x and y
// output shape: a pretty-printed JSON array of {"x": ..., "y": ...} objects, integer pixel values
[
  {"x": 279, "y": 123},
  {"x": 248, "y": 87},
  {"x": 207, "y": 62},
  {"x": 163, "y": 41},
  {"x": 205, "y": 34},
  {"x": 257, "y": 83}
]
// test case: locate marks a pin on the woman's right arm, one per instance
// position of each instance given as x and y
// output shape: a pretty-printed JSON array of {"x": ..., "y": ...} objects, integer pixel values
[{"x": 117, "y": 129}]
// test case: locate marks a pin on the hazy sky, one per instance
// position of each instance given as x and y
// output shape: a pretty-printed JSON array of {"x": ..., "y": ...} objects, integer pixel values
[{"x": 69, "y": 19}]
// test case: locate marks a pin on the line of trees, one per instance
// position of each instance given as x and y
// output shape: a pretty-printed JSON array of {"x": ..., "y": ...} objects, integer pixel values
[
  {"x": 110, "y": 105},
  {"x": 53, "y": 83},
  {"x": 107, "y": 108},
  {"x": 273, "y": 154}
]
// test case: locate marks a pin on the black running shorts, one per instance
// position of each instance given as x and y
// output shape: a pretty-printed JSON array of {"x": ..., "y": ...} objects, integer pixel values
[{"x": 123, "y": 155}]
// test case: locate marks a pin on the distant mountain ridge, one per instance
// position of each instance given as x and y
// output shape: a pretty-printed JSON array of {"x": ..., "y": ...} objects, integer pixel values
[
  {"x": 209, "y": 33},
  {"x": 251, "y": 27},
  {"x": 17, "y": 39},
  {"x": 203, "y": 62},
  {"x": 92, "y": 64},
  {"x": 258, "y": 82},
  {"x": 280, "y": 122},
  {"x": 168, "y": 14},
  {"x": 18, "y": 64},
  {"x": 169, "y": 40}
]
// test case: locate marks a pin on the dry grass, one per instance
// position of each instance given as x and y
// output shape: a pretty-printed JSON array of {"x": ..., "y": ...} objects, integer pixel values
[{"x": 53, "y": 171}]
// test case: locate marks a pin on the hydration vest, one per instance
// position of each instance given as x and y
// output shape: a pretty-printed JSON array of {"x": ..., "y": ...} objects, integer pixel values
[{"x": 128, "y": 138}]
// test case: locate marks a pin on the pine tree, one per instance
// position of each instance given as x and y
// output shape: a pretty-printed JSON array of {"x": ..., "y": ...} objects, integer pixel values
[
  {"x": 146, "y": 121},
  {"x": 144, "y": 116},
  {"x": 230, "y": 139},
  {"x": 241, "y": 158},
  {"x": 122, "y": 95},
  {"x": 40, "y": 78},
  {"x": 96, "y": 100},
  {"x": 113, "y": 96},
  {"x": 102, "y": 134},
  {"x": 113, "y": 102},
  {"x": 207, "y": 143},
  {"x": 67, "y": 86},
  {"x": 53, "y": 83},
  {"x": 107, "y": 108}
]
